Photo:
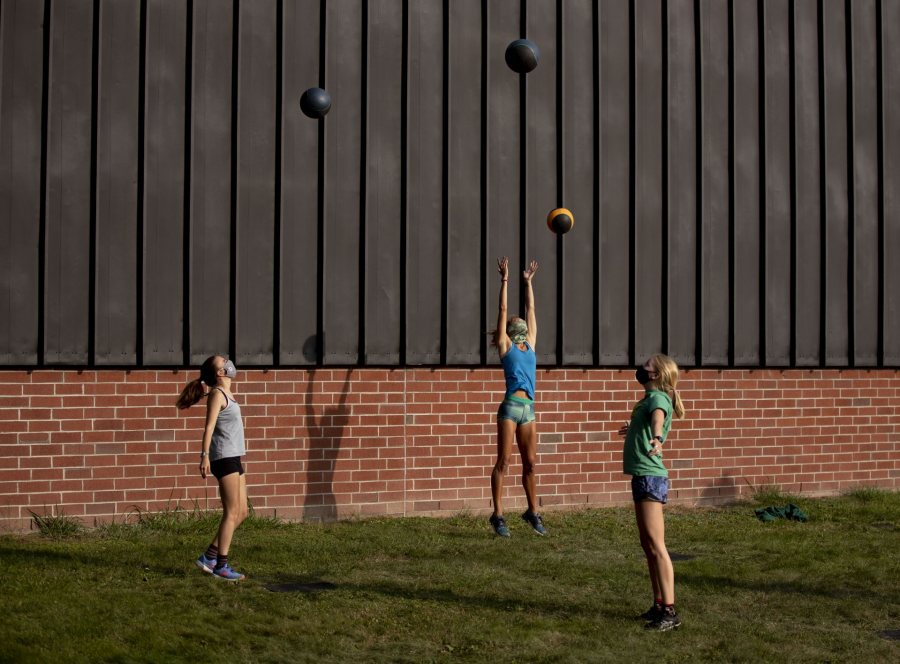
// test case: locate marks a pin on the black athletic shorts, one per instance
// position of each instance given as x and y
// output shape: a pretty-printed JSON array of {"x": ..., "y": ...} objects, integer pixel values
[{"x": 222, "y": 467}]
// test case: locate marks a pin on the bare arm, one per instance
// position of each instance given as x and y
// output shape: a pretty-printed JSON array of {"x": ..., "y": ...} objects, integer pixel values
[
  {"x": 214, "y": 403},
  {"x": 657, "y": 420},
  {"x": 501, "y": 339},
  {"x": 530, "y": 315}
]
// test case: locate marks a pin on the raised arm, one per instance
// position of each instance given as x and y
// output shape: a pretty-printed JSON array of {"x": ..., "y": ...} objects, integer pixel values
[
  {"x": 530, "y": 316},
  {"x": 501, "y": 339}
]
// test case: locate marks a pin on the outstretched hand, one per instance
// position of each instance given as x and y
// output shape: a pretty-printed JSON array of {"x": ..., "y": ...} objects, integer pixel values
[
  {"x": 529, "y": 273},
  {"x": 503, "y": 267}
]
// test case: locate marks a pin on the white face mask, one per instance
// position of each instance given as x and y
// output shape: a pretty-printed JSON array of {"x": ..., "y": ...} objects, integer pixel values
[{"x": 230, "y": 369}]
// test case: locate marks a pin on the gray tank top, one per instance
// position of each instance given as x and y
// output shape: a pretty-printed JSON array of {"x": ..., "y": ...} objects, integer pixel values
[{"x": 228, "y": 436}]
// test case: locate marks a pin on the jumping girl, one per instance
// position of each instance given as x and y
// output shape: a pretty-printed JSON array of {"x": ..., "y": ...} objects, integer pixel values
[
  {"x": 515, "y": 341},
  {"x": 651, "y": 420},
  {"x": 220, "y": 454}
]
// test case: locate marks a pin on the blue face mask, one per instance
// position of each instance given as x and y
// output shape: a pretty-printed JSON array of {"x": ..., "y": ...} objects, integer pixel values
[{"x": 230, "y": 369}]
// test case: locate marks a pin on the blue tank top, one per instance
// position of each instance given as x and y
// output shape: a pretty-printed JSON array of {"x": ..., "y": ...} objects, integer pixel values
[{"x": 519, "y": 368}]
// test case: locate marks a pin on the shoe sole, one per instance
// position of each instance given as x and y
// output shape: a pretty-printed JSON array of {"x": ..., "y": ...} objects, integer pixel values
[
  {"x": 222, "y": 578},
  {"x": 663, "y": 629},
  {"x": 203, "y": 567},
  {"x": 535, "y": 530}
]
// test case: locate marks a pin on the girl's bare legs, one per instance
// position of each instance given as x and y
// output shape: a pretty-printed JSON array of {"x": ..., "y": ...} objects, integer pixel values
[
  {"x": 233, "y": 490},
  {"x": 652, "y": 529},
  {"x": 506, "y": 434},
  {"x": 526, "y": 437}
]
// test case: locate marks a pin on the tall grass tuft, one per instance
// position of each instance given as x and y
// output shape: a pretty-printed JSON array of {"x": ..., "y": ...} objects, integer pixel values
[{"x": 57, "y": 526}]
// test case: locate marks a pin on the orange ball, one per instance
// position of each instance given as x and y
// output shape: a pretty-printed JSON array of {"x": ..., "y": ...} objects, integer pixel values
[{"x": 560, "y": 220}]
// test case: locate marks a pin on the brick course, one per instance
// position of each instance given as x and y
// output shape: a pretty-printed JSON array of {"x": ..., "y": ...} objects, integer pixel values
[{"x": 333, "y": 443}]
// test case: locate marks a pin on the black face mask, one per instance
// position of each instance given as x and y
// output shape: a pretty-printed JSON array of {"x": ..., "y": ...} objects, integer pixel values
[{"x": 642, "y": 375}]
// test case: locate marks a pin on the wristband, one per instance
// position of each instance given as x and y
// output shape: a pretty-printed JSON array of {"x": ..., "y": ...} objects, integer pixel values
[
  {"x": 204, "y": 454},
  {"x": 659, "y": 438}
]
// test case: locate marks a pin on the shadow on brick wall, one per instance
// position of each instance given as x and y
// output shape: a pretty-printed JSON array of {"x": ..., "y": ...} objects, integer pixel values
[{"x": 326, "y": 432}]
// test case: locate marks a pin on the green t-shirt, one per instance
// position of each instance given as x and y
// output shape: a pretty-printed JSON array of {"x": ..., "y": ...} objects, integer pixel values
[{"x": 637, "y": 442}]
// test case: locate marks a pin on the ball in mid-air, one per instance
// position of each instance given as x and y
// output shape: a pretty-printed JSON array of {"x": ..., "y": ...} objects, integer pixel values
[
  {"x": 560, "y": 221},
  {"x": 522, "y": 56},
  {"x": 315, "y": 103}
]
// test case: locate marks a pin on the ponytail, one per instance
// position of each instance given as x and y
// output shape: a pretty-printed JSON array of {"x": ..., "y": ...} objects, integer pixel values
[
  {"x": 191, "y": 394},
  {"x": 668, "y": 380},
  {"x": 194, "y": 391},
  {"x": 676, "y": 402}
]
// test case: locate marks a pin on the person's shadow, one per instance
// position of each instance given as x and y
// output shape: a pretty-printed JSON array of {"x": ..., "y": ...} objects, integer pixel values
[{"x": 326, "y": 432}]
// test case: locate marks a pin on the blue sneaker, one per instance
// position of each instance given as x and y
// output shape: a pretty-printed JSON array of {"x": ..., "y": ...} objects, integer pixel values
[
  {"x": 499, "y": 524},
  {"x": 225, "y": 572},
  {"x": 534, "y": 520},
  {"x": 206, "y": 564}
]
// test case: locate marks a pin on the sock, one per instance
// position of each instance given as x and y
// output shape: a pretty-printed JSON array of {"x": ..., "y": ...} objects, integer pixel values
[
  {"x": 211, "y": 552},
  {"x": 658, "y": 602},
  {"x": 221, "y": 560}
]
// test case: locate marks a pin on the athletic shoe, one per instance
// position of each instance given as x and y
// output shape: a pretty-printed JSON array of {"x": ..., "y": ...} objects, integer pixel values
[
  {"x": 499, "y": 524},
  {"x": 668, "y": 620},
  {"x": 225, "y": 572},
  {"x": 655, "y": 612},
  {"x": 534, "y": 520},
  {"x": 206, "y": 564}
]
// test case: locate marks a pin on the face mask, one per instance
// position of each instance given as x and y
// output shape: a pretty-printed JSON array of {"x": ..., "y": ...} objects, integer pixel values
[
  {"x": 517, "y": 331},
  {"x": 230, "y": 369},
  {"x": 642, "y": 375}
]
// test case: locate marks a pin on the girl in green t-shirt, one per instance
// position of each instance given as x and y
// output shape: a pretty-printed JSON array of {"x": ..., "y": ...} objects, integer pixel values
[{"x": 651, "y": 419}]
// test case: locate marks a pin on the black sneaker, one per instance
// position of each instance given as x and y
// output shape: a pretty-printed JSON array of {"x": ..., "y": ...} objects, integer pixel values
[
  {"x": 534, "y": 520},
  {"x": 668, "y": 620},
  {"x": 499, "y": 524},
  {"x": 655, "y": 612}
]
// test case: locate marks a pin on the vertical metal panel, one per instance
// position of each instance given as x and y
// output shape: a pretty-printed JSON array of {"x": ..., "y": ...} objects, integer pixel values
[
  {"x": 682, "y": 183},
  {"x": 778, "y": 185},
  {"x": 578, "y": 165},
  {"x": 210, "y": 260},
  {"x": 648, "y": 180},
  {"x": 68, "y": 184},
  {"x": 808, "y": 206},
  {"x": 344, "y": 58},
  {"x": 21, "y": 37},
  {"x": 117, "y": 165},
  {"x": 865, "y": 184},
  {"x": 714, "y": 111},
  {"x": 425, "y": 149},
  {"x": 615, "y": 112},
  {"x": 254, "y": 299},
  {"x": 890, "y": 23},
  {"x": 383, "y": 228},
  {"x": 503, "y": 155},
  {"x": 464, "y": 174},
  {"x": 541, "y": 175},
  {"x": 164, "y": 183},
  {"x": 836, "y": 185},
  {"x": 746, "y": 157}
]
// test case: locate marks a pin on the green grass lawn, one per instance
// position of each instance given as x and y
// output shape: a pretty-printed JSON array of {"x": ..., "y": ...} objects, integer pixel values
[{"x": 421, "y": 589}]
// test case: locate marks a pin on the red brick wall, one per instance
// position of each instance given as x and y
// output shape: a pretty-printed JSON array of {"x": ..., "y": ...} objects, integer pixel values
[{"x": 335, "y": 442}]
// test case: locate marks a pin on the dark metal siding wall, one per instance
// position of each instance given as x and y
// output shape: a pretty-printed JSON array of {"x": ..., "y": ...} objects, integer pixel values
[{"x": 733, "y": 167}]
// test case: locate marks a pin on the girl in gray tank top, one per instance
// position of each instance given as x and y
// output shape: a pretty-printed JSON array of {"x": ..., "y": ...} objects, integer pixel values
[{"x": 221, "y": 449}]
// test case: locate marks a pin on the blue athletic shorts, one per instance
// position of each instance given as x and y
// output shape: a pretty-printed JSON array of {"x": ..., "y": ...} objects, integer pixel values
[
  {"x": 650, "y": 487},
  {"x": 520, "y": 411}
]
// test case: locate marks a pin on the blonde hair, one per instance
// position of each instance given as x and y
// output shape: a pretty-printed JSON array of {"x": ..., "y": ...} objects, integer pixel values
[{"x": 667, "y": 380}]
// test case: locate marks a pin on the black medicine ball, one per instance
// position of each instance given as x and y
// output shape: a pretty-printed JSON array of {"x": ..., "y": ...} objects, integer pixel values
[
  {"x": 522, "y": 56},
  {"x": 315, "y": 103}
]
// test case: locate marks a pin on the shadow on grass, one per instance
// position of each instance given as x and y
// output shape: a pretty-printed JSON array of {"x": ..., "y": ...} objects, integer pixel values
[
  {"x": 782, "y": 587},
  {"x": 512, "y": 604}
]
